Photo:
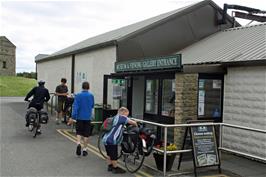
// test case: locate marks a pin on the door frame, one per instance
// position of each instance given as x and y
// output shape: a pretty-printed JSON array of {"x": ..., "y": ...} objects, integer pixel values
[{"x": 105, "y": 94}]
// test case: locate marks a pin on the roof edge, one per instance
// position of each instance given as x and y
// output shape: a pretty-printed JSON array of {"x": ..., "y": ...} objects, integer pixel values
[
  {"x": 101, "y": 45},
  {"x": 185, "y": 11},
  {"x": 8, "y": 41}
]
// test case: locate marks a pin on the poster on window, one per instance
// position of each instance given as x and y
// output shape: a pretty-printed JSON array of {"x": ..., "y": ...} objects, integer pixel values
[
  {"x": 216, "y": 84},
  {"x": 201, "y": 109},
  {"x": 201, "y": 83},
  {"x": 201, "y": 96}
]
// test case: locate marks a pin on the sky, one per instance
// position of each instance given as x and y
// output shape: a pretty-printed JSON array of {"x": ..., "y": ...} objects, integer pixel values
[{"x": 48, "y": 26}]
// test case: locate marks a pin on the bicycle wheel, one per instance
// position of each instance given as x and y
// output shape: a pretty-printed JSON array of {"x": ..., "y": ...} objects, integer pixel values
[
  {"x": 133, "y": 161},
  {"x": 101, "y": 146},
  {"x": 35, "y": 127}
]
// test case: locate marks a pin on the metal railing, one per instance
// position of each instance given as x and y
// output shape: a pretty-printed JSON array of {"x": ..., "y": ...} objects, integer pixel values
[
  {"x": 166, "y": 126},
  {"x": 53, "y": 102}
]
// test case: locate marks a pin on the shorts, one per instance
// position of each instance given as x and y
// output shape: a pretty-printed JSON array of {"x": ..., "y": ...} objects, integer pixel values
[
  {"x": 60, "y": 106},
  {"x": 112, "y": 151},
  {"x": 83, "y": 128}
]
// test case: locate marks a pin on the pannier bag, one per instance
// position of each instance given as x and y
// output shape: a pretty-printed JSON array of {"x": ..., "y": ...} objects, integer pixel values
[
  {"x": 129, "y": 142},
  {"x": 43, "y": 117},
  {"x": 31, "y": 115},
  {"x": 130, "y": 139}
]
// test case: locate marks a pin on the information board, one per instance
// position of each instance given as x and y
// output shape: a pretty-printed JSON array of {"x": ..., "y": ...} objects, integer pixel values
[{"x": 204, "y": 146}]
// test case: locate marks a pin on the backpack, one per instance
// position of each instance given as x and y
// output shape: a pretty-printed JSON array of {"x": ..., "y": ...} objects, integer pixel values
[{"x": 107, "y": 124}]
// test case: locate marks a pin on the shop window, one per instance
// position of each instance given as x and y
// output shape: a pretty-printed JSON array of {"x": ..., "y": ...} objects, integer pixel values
[
  {"x": 118, "y": 93},
  {"x": 151, "y": 104},
  {"x": 4, "y": 64},
  {"x": 168, "y": 98},
  {"x": 210, "y": 99}
]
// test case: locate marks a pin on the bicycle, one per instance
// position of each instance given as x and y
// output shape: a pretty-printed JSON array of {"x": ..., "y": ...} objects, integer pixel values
[
  {"x": 35, "y": 118},
  {"x": 137, "y": 143}
]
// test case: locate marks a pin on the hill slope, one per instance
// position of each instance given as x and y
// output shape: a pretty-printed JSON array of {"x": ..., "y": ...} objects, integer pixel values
[{"x": 15, "y": 86}]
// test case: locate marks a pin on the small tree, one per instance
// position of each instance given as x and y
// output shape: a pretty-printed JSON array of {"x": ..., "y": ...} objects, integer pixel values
[{"x": 32, "y": 75}]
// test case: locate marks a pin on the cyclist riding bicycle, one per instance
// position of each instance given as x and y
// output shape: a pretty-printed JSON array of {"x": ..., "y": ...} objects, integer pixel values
[
  {"x": 114, "y": 137},
  {"x": 40, "y": 95}
]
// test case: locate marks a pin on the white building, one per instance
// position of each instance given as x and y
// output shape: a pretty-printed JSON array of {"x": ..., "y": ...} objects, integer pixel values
[{"x": 222, "y": 75}]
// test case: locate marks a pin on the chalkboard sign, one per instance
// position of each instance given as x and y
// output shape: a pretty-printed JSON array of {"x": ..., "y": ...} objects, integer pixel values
[{"x": 204, "y": 146}]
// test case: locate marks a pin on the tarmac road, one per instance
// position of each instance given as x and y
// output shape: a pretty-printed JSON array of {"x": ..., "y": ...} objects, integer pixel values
[{"x": 49, "y": 154}]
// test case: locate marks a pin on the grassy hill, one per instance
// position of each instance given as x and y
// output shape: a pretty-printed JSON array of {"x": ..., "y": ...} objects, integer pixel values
[{"x": 15, "y": 86}]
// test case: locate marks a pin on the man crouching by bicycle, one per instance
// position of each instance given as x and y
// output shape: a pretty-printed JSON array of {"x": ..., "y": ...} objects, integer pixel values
[
  {"x": 40, "y": 95},
  {"x": 114, "y": 137}
]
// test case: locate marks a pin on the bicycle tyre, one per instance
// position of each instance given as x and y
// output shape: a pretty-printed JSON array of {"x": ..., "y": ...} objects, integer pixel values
[
  {"x": 101, "y": 145},
  {"x": 36, "y": 125},
  {"x": 138, "y": 156}
]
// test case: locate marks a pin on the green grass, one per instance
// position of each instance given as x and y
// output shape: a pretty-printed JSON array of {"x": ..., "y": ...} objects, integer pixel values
[{"x": 15, "y": 86}]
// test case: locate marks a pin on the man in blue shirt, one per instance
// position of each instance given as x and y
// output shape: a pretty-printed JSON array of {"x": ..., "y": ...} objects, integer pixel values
[
  {"x": 82, "y": 110},
  {"x": 114, "y": 137}
]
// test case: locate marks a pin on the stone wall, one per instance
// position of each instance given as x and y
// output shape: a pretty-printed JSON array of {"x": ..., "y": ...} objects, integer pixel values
[
  {"x": 7, "y": 56},
  {"x": 185, "y": 103}
]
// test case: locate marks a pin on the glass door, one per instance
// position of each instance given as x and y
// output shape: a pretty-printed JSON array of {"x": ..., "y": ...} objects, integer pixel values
[{"x": 116, "y": 93}]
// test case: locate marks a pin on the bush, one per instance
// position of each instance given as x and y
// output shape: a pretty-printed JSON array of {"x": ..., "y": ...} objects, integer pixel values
[{"x": 31, "y": 75}]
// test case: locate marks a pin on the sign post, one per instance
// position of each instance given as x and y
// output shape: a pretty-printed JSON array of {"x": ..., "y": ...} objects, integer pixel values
[
  {"x": 205, "y": 151},
  {"x": 204, "y": 147}
]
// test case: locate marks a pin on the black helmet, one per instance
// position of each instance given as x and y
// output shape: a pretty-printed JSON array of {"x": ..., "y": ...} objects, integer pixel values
[{"x": 41, "y": 82}]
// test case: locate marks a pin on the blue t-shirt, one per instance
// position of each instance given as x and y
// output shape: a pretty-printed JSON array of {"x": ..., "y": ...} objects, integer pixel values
[
  {"x": 114, "y": 136},
  {"x": 82, "y": 106}
]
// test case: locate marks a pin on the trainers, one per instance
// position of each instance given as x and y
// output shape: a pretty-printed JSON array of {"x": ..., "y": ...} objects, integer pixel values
[
  {"x": 78, "y": 151},
  {"x": 39, "y": 131},
  {"x": 30, "y": 127},
  {"x": 118, "y": 170},
  {"x": 84, "y": 153},
  {"x": 110, "y": 167}
]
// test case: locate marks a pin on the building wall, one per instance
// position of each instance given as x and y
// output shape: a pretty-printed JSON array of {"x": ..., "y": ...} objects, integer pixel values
[
  {"x": 185, "y": 103},
  {"x": 245, "y": 105},
  {"x": 53, "y": 70},
  {"x": 7, "y": 55},
  {"x": 91, "y": 66}
]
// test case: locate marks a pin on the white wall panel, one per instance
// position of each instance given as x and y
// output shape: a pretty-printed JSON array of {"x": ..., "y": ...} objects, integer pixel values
[
  {"x": 245, "y": 105},
  {"x": 91, "y": 66},
  {"x": 53, "y": 70}
]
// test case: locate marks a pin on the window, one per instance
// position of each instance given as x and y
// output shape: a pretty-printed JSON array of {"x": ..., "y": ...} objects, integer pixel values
[
  {"x": 117, "y": 93},
  {"x": 159, "y": 97},
  {"x": 210, "y": 98},
  {"x": 4, "y": 64},
  {"x": 168, "y": 98},
  {"x": 152, "y": 87}
]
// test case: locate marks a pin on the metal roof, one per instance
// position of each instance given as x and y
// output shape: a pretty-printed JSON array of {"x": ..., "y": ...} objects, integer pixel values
[
  {"x": 231, "y": 45},
  {"x": 111, "y": 37}
]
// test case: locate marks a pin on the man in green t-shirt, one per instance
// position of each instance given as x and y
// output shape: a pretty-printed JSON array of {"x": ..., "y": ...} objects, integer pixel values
[{"x": 61, "y": 91}]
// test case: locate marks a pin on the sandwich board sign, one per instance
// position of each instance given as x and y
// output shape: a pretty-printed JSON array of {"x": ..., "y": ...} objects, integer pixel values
[{"x": 204, "y": 146}]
